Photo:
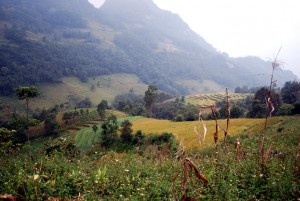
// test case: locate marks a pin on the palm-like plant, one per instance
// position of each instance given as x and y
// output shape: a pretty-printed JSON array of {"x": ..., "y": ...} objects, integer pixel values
[{"x": 27, "y": 93}]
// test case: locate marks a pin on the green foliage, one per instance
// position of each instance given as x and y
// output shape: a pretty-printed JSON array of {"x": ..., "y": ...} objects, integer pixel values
[
  {"x": 149, "y": 173},
  {"x": 69, "y": 117},
  {"x": 86, "y": 138},
  {"x": 5, "y": 140},
  {"x": 178, "y": 118},
  {"x": 190, "y": 112},
  {"x": 51, "y": 126},
  {"x": 290, "y": 92},
  {"x": 259, "y": 103},
  {"x": 160, "y": 139},
  {"x": 126, "y": 132},
  {"x": 139, "y": 138},
  {"x": 64, "y": 146},
  {"x": 236, "y": 112},
  {"x": 19, "y": 124},
  {"x": 26, "y": 93},
  {"x": 150, "y": 97},
  {"x": 130, "y": 103},
  {"x": 296, "y": 109},
  {"x": 245, "y": 89},
  {"x": 109, "y": 131},
  {"x": 285, "y": 109},
  {"x": 95, "y": 128},
  {"x": 86, "y": 103},
  {"x": 102, "y": 106},
  {"x": 175, "y": 110},
  {"x": 168, "y": 110}
]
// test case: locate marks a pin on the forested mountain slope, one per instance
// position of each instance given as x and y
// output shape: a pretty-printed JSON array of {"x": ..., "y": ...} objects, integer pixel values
[{"x": 43, "y": 41}]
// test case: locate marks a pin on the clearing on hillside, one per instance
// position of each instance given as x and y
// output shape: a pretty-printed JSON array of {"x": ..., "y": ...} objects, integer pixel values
[{"x": 71, "y": 90}]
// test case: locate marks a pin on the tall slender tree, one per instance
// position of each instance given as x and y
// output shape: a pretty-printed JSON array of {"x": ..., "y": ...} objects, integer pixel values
[
  {"x": 150, "y": 97},
  {"x": 126, "y": 131},
  {"x": 102, "y": 106},
  {"x": 27, "y": 93}
]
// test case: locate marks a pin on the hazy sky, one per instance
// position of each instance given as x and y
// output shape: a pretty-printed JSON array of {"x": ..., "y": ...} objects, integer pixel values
[{"x": 243, "y": 27}]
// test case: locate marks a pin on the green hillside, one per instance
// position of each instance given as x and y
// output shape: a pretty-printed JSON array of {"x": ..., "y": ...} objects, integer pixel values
[
  {"x": 43, "y": 42},
  {"x": 71, "y": 90}
]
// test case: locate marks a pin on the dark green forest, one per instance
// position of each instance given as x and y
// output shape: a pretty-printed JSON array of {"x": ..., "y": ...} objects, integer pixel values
[{"x": 45, "y": 41}]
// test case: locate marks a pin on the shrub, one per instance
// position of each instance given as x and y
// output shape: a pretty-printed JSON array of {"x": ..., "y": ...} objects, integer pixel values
[
  {"x": 285, "y": 109},
  {"x": 126, "y": 131}
]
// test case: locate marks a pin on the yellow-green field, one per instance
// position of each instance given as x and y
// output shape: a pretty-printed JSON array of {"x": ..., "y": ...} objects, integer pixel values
[
  {"x": 184, "y": 131},
  {"x": 72, "y": 90},
  {"x": 209, "y": 99}
]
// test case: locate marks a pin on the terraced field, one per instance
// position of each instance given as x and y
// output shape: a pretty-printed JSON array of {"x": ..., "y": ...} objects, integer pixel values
[
  {"x": 209, "y": 99},
  {"x": 84, "y": 135},
  {"x": 183, "y": 131}
]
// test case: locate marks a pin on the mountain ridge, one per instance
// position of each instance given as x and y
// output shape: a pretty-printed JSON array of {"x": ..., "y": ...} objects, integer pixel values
[{"x": 43, "y": 42}]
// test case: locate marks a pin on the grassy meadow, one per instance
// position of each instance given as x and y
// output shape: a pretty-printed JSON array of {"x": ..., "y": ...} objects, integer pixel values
[{"x": 71, "y": 90}]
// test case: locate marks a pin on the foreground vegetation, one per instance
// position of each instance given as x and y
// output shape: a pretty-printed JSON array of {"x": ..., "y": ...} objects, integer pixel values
[
  {"x": 137, "y": 158},
  {"x": 58, "y": 170}
]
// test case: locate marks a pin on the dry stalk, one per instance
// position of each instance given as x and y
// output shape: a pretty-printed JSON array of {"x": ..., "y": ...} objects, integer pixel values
[
  {"x": 227, "y": 114},
  {"x": 270, "y": 108},
  {"x": 198, "y": 174},
  {"x": 216, "y": 134},
  {"x": 201, "y": 136},
  {"x": 189, "y": 165},
  {"x": 216, "y": 137},
  {"x": 237, "y": 149},
  {"x": 268, "y": 154}
]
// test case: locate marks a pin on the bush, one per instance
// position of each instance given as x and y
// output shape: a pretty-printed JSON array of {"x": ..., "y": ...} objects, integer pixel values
[
  {"x": 126, "y": 132},
  {"x": 178, "y": 118},
  {"x": 285, "y": 109},
  {"x": 109, "y": 132},
  {"x": 296, "y": 109}
]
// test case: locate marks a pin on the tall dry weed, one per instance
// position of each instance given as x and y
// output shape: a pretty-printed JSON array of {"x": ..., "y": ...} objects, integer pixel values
[{"x": 270, "y": 108}]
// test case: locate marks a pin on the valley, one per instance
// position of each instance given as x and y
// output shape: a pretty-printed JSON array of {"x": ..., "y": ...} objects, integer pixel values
[{"x": 127, "y": 102}]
